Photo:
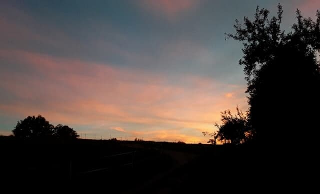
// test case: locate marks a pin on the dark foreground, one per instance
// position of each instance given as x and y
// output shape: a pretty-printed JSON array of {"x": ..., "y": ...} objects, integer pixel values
[{"x": 97, "y": 166}]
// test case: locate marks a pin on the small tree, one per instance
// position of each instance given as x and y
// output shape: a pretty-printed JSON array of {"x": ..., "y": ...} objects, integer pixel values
[
  {"x": 65, "y": 132},
  {"x": 213, "y": 139},
  {"x": 234, "y": 129},
  {"x": 33, "y": 127}
]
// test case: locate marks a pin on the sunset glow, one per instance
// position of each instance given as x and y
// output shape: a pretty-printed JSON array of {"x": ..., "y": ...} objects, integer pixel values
[{"x": 154, "y": 70}]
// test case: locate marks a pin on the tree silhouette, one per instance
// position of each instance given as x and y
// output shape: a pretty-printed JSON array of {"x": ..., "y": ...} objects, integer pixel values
[
  {"x": 65, "y": 132},
  {"x": 234, "y": 128},
  {"x": 213, "y": 139},
  {"x": 39, "y": 127},
  {"x": 33, "y": 127},
  {"x": 283, "y": 77}
]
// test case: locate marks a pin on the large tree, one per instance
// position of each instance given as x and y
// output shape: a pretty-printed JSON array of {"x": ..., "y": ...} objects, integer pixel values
[
  {"x": 283, "y": 76},
  {"x": 33, "y": 127}
]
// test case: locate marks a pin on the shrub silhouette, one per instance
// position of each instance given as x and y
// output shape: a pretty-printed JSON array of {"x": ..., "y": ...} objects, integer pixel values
[
  {"x": 234, "y": 128},
  {"x": 65, "y": 132}
]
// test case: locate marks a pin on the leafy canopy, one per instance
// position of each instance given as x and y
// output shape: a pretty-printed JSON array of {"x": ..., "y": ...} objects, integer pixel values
[
  {"x": 38, "y": 127},
  {"x": 282, "y": 73}
]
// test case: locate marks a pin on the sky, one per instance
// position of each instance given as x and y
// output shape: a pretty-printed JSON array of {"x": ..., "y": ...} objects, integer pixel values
[{"x": 159, "y": 70}]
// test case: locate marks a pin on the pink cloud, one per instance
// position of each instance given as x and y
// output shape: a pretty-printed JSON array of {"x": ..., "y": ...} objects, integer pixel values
[
  {"x": 309, "y": 7},
  {"x": 76, "y": 92},
  {"x": 169, "y": 8}
]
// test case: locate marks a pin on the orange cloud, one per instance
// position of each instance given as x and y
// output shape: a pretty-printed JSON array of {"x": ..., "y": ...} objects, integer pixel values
[
  {"x": 77, "y": 92},
  {"x": 228, "y": 95},
  {"x": 168, "y": 135},
  {"x": 117, "y": 129},
  {"x": 170, "y": 8}
]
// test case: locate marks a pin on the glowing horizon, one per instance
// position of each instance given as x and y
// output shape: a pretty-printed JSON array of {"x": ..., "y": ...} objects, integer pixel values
[
  {"x": 155, "y": 70},
  {"x": 109, "y": 99}
]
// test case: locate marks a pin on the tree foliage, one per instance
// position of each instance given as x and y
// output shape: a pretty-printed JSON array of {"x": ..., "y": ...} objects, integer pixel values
[
  {"x": 38, "y": 127},
  {"x": 213, "y": 137},
  {"x": 33, "y": 127},
  {"x": 234, "y": 128},
  {"x": 282, "y": 74},
  {"x": 262, "y": 39},
  {"x": 65, "y": 132}
]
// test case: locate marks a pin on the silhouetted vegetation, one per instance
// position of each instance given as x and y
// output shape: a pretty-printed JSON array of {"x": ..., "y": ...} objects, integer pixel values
[
  {"x": 33, "y": 127},
  {"x": 138, "y": 139},
  {"x": 235, "y": 129},
  {"x": 283, "y": 87},
  {"x": 39, "y": 128},
  {"x": 213, "y": 137},
  {"x": 65, "y": 132},
  {"x": 283, "y": 77}
]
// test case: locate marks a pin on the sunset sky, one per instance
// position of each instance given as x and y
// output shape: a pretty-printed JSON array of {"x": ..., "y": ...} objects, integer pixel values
[{"x": 156, "y": 70}]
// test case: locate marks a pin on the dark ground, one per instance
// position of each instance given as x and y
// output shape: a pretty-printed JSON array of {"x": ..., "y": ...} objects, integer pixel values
[{"x": 148, "y": 167}]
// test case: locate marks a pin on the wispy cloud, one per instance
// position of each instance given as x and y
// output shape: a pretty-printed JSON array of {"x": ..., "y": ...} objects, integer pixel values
[
  {"x": 77, "y": 92},
  {"x": 118, "y": 129}
]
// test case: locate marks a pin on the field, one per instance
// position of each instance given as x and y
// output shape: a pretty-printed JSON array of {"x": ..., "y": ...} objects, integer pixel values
[
  {"x": 137, "y": 167},
  {"x": 125, "y": 166}
]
